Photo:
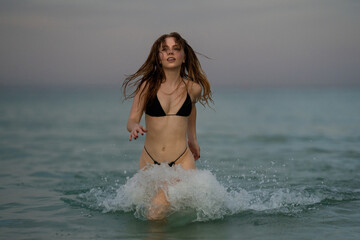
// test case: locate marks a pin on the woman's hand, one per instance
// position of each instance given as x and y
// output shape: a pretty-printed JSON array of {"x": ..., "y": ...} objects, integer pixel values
[
  {"x": 195, "y": 149},
  {"x": 136, "y": 130}
]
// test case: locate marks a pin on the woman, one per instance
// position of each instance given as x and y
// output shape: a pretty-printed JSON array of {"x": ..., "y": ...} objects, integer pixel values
[{"x": 168, "y": 85}]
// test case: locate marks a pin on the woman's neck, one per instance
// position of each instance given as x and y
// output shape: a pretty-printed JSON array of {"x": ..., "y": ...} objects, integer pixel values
[{"x": 172, "y": 76}]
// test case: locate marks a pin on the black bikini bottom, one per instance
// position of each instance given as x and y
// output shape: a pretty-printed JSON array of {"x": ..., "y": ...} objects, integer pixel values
[{"x": 171, "y": 163}]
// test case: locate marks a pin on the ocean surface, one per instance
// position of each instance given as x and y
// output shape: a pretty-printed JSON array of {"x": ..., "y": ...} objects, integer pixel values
[{"x": 276, "y": 163}]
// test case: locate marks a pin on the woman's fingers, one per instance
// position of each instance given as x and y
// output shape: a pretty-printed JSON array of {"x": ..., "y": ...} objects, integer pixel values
[
  {"x": 197, "y": 153},
  {"x": 195, "y": 150},
  {"x": 134, "y": 133},
  {"x": 131, "y": 136},
  {"x": 143, "y": 129}
]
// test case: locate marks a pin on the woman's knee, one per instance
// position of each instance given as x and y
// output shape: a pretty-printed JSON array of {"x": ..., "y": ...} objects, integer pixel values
[
  {"x": 157, "y": 212},
  {"x": 159, "y": 206}
]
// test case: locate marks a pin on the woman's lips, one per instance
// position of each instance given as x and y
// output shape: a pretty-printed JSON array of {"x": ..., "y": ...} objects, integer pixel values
[{"x": 171, "y": 59}]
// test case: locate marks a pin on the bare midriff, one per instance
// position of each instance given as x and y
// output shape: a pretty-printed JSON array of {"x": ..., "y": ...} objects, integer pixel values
[{"x": 165, "y": 137}]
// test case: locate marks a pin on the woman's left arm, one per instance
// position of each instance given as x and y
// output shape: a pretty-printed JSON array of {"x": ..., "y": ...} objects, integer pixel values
[{"x": 195, "y": 93}]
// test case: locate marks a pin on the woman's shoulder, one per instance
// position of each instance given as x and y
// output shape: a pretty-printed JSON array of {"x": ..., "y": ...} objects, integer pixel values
[
  {"x": 144, "y": 85},
  {"x": 194, "y": 89},
  {"x": 142, "y": 89}
]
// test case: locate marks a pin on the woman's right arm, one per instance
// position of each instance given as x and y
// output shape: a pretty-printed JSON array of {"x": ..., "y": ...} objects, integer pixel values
[{"x": 136, "y": 112}]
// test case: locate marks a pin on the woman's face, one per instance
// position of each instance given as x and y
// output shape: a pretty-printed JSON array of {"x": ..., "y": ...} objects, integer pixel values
[{"x": 171, "y": 54}]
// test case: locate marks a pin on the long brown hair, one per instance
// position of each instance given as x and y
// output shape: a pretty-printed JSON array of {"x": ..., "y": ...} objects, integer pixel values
[{"x": 152, "y": 74}]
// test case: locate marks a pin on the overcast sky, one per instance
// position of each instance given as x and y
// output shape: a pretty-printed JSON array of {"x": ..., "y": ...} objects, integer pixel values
[{"x": 250, "y": 42}]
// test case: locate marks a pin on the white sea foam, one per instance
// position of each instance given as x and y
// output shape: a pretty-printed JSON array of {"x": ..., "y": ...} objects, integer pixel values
[{"x": 197, "y": 192}]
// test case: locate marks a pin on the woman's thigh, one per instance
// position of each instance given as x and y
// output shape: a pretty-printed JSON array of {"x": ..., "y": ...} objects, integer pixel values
[{"x": 187, "y": 161}]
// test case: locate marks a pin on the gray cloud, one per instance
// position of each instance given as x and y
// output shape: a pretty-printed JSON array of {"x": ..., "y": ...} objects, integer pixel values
[{"x": 251, "y": 42}]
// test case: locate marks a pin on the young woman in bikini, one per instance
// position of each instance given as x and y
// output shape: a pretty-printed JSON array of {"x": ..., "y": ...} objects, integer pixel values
[{"x": 167, "y": 86}]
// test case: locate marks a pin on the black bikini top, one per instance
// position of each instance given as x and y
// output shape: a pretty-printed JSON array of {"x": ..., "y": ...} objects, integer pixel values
[{"x": 155, "y": 109}]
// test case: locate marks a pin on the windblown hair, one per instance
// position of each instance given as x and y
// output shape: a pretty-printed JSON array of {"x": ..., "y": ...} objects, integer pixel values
[{"x": 151, "y": 74}]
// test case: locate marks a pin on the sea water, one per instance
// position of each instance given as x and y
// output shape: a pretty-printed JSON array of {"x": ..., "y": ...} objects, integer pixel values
[{"x": 280, "y": 163}]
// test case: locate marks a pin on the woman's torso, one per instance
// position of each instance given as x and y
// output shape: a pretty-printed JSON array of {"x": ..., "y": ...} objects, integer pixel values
[{"x": 166, "y": 122}]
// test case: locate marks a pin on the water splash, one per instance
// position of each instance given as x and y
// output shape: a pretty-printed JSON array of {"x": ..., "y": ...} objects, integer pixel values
[{"x": 196, "y": 192}]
